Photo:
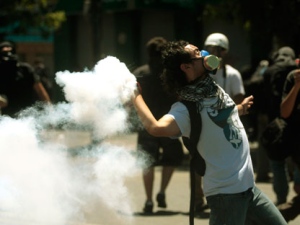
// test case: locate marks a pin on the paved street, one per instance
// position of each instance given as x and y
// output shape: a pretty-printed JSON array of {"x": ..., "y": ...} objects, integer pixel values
[{"x": 97, "y": 213}]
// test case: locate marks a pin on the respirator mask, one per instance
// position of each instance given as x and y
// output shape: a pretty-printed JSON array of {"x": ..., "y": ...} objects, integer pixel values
[
  {"x": 210, "y": 62},
  {"x": 7, "y": 56},
  {"x": 7, "y": 53}
]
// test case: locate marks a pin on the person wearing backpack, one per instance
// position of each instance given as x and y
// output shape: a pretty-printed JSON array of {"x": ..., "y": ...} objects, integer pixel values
[
  {"x": 273, "y": 84},
  {"x": 228, "y": 181},
  {"x": 290, "y": 110}
]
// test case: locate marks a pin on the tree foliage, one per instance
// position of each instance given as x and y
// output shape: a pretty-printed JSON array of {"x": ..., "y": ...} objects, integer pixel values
[{"x": 17, "y": 16}]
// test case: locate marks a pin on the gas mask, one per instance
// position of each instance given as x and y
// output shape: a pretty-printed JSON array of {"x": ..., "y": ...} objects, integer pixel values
[
  {"x": 7, "y": 56},
  {"x": 210, "y": 62},
  {"x": 7, "y": 53}
]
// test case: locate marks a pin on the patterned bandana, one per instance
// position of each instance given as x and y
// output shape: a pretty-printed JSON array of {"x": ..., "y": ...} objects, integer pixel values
[{"x": 198, "y": 90}]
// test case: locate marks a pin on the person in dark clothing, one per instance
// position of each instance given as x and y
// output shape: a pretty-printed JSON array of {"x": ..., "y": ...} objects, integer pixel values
[
  {"x": 159, "y": 102},
  {"x": 274, "y": 78},
  {"x": 290, "y": 110},
  {"x": 43, "y": 72},
  {"x": 19, "y": 85}
]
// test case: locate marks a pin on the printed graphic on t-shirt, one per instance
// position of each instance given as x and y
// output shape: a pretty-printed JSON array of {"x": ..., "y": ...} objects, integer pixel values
[{"x": 224, "y": 119}]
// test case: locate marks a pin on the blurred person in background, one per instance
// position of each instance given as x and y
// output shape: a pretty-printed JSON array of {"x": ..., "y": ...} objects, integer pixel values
[
  {"x": 159, "y": 102},
  {"x": 273, "y": 86},
  {"x": 227, "y": 76},
  {"x": 290, "y": 110},
  {"x": 20, "y": 86},
  {"x": 41, "y": 70}
]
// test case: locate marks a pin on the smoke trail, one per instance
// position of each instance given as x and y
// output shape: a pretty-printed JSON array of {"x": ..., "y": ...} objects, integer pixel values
[{"x": 39, "y": 180}]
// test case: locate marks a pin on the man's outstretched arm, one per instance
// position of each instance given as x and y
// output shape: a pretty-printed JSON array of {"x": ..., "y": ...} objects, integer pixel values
[{"x": 164, "y": 127}]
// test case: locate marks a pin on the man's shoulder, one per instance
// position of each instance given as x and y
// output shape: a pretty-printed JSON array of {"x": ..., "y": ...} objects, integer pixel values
[
  {"x": 280, "y": 68},
  {"x": 277, "y": 73},
  {"x": 232, "y": 70}
]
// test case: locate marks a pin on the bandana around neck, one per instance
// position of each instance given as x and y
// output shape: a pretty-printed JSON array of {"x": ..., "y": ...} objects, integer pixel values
[{"x": 198, "y": 90}]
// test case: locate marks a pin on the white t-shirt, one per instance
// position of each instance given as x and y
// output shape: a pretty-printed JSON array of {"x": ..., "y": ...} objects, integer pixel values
[
  {"x": 232, "y": 83},
  {"x": 223, "y": 144}
]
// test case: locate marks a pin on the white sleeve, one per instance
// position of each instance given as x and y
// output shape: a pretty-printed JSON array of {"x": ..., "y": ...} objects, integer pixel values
[
  {"x": 181, "y": 115},
  {"x": 236, "y": 82}
]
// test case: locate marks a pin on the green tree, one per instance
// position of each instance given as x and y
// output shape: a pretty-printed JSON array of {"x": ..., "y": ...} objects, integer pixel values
[{"x": 17, "y": 16}]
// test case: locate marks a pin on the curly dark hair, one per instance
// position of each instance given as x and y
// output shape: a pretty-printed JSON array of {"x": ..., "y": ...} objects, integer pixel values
[{"x": 173, "y": 56}]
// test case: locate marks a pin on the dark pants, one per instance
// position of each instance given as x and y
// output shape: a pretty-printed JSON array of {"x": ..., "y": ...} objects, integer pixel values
[{"x": 290, "y": 210}]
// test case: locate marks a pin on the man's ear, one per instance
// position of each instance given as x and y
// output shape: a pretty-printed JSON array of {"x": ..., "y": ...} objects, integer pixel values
[{"x": 184, "y": 66}]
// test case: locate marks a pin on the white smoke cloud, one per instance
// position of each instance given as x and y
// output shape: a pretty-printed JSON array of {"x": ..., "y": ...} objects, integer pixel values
[
  {"x": 98, "y": 96},
  {"x": 34, "y": 178},
  {"x": 40, "y": 182}
]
